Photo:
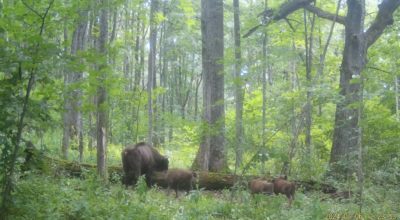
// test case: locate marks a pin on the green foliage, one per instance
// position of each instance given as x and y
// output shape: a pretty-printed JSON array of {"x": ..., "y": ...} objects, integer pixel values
[
  {"x": 178, "y": 129},
  {"x": 42, "y": 197}
]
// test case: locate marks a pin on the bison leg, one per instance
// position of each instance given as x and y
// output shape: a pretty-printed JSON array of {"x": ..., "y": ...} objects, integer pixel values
[
  {"x": 129, "y": 179},
  {"x": 149, "y": 181},
  {"x": 290, "y": 198},
  {"x": 168, "y": 189},
  {"x": 190, "y": 188}
]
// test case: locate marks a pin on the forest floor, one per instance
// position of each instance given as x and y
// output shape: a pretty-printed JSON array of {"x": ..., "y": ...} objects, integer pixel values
[{"x": 48, "y": 197}]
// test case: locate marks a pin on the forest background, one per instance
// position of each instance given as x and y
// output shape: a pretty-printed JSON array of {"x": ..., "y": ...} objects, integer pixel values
[{"x": 311, "y": 91}]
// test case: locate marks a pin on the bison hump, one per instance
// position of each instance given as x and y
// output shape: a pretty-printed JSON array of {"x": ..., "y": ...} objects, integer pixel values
[{"x": 145, "y": 153}]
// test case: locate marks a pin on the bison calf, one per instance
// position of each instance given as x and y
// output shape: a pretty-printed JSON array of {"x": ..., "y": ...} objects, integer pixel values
[
  {"x": 181, "y": 179},
  {"x": 261, "y": 186},
  {"x": 281, "y": 185}
]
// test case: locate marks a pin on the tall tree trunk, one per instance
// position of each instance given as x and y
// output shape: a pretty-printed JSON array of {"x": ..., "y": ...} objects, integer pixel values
[
  {"x": 296, "y": 124},
  {"x": 158, "y": 122},
  {"x": 112, "y": 62},
  {"x": 151, "y": 67},
  {"x": 238, "y": 82},
  {"x": 346, "y": 132},
  {"x": 67, "y": 105},
  {"x": 91, "y": 41},
  {"x": 196, "y": 97},
  {"x": 137, "y": 56},
  {"x": 211, "y": 155},
  {"x": 264, "y": 98},
  {"x": 345, "y": 156},
  {"x": 77, "y": 93},
  {"x": 308, "y": 39},
  {"x": 102, "y": 94},
  {"x": 73, "y": 122},
  {"x": 163, "y": 77},
  {"x": 397, "y": 84},
  {"x": 171, "y": 112},
  {"x": 142, "y": 54}
]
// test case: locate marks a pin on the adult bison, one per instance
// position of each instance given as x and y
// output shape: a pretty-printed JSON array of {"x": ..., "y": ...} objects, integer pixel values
[{"x": 141, "y": 159}]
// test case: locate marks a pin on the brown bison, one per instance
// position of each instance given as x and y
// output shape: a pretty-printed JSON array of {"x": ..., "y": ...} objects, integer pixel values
[
  {"x": 141, "y": 159},
  {"x": 261, "y": 186},
  {"x": 180, "y": 179},
  {"x": 282, "y": 186}
]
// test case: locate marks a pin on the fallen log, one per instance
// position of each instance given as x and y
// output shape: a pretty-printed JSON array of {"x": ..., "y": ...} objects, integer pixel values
[{"x": 207, "y": 180}]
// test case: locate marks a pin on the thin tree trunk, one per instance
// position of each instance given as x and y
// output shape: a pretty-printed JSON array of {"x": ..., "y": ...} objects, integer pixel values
[
  {"x": 102, "y": 96},
  {"x": 72, "y": 120},
  {"x": 171, "y": 111},
  {"x": 264, "y": 99},
  {"x": 142, "y": 54},
  {"x": 308, "y": 109},
  {"x": 151, "y": 67},
  {"x": 112, "y": 59},
  {"x": 91, "y": 41},
  {"x": 238, "y": 86},
  {"x": 90, "y": 130},
  {"x": 158, "y": 134},
  {"x": 360, "y": 172},
  {"x": 396, "y": 83},
  {"x": 137, "y": 57},
  {"x": 77, "y": 94},
  {"x": 67, "y": 106},
  {"x": 127, "y": 61},
  {"x": 163, "y": 81},
  {"x": 321, "y": 67},
  {"x": 114, "y": 27},
  {"x": 295, "y": 123}
]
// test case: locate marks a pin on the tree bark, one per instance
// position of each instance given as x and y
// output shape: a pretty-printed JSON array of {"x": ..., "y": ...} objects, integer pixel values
[
  {"x": 77, "y": 119},
  {"x": 72, "y": 119},
  {"x": 67, "y": 106},
  {"x": 346, "y": 132},
  {"x": 137, "y": 56},
  {"x": 238, "y": 82},
  {"x": 264, "y": 99},
  {"x": 102, "y": 95},
  {"x": 397, "y": 84},
  {"x": 151, "y": 67},
  {"x": 308, "y": 38},
  {"x": 211, "y": 155},
  {"x": 196, "y": 97}
]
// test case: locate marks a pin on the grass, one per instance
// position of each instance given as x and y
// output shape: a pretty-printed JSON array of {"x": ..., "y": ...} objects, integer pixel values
[{"x": 49, "y": 197}]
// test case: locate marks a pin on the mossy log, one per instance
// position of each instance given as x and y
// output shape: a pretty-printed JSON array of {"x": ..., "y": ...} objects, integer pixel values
[{"x": 206, "y": 180}]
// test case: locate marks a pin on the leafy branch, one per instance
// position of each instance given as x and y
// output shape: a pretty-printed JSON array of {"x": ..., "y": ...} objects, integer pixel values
[{"x": 8, "y": 186}]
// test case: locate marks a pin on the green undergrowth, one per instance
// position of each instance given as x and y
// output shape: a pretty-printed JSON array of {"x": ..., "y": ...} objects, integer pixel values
[{"x": 48, "y": 197}]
